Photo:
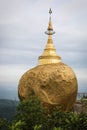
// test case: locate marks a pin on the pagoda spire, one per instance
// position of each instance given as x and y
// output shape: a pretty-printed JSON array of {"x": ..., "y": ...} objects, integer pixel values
[
  {"x": 50, "y": 28},
  {"x": 49, "y": 55}
]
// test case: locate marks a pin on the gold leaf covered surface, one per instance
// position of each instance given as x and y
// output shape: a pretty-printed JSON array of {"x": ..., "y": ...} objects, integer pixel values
[{"x": 54, "y": 84}]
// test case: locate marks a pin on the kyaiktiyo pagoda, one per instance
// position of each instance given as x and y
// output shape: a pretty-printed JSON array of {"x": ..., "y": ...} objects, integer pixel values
[{"x": 52, "y": 81}]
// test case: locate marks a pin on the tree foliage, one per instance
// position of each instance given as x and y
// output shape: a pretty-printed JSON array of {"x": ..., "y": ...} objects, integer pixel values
[
  {"x": 31, "y": 115},
  {"x": 4, "y": 124},
  {"x": 36, "y": 117},
  {"x": 31, "y": 112},
  {"x": 17, "y": 125}
]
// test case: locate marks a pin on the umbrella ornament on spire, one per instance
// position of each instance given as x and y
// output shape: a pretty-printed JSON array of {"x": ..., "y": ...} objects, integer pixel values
[
  {"x": 50, "y": 28},
  {"x": 50, "y": 11}
]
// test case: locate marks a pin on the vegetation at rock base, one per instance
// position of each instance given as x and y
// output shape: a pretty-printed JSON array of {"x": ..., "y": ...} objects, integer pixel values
[
  {"x": 31, "y": 115},
  {"x": 4, "y": 124}
]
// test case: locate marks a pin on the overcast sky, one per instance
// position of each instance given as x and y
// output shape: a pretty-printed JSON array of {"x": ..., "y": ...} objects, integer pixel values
[{"x": 22, "y": 38}]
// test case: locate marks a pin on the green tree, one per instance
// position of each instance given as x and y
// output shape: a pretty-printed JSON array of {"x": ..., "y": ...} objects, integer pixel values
[
  {"x": 38, "y": 127},
  {"x": 31, "y": 112},
  {"x": 32, "y": 116},
  {"x": 4, "y": 124},
  {"x": 17, "y": 125},
  {"x": 75, "y": 122},
  {"x": 57, "y": 128}
]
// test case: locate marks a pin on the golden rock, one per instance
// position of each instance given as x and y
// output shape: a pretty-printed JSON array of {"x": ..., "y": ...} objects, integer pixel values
[
  {"x": 54, "y": 84},
  {"x": 52, "y": 81}
]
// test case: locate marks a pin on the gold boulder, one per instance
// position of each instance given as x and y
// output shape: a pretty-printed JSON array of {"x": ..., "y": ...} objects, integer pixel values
[{"x": 54, "y": 84}]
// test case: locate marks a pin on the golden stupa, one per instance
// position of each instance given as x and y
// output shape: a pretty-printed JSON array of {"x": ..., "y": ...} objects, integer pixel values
[
  {"x": 51, "y": 80},
  {"x": 49, "y": 55}
]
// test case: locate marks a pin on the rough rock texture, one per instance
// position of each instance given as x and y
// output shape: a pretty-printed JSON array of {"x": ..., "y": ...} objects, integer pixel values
[{"x": 54, "y": 84}]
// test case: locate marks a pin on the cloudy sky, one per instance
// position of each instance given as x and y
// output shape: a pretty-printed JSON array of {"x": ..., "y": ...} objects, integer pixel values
[{"x": 22, "y": 38}]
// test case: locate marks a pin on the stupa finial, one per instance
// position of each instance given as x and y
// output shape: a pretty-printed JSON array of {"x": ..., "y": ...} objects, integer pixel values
[
  {"x": 50, "y": 11},
  {"x": 50, "y": 28}
]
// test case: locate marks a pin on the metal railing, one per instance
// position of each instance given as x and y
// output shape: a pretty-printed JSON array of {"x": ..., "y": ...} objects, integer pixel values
[{"x": 81, "y": 95}]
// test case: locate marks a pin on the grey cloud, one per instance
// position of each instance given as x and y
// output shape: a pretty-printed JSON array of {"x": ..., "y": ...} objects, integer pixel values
[{"x": 18, "y": 57}]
